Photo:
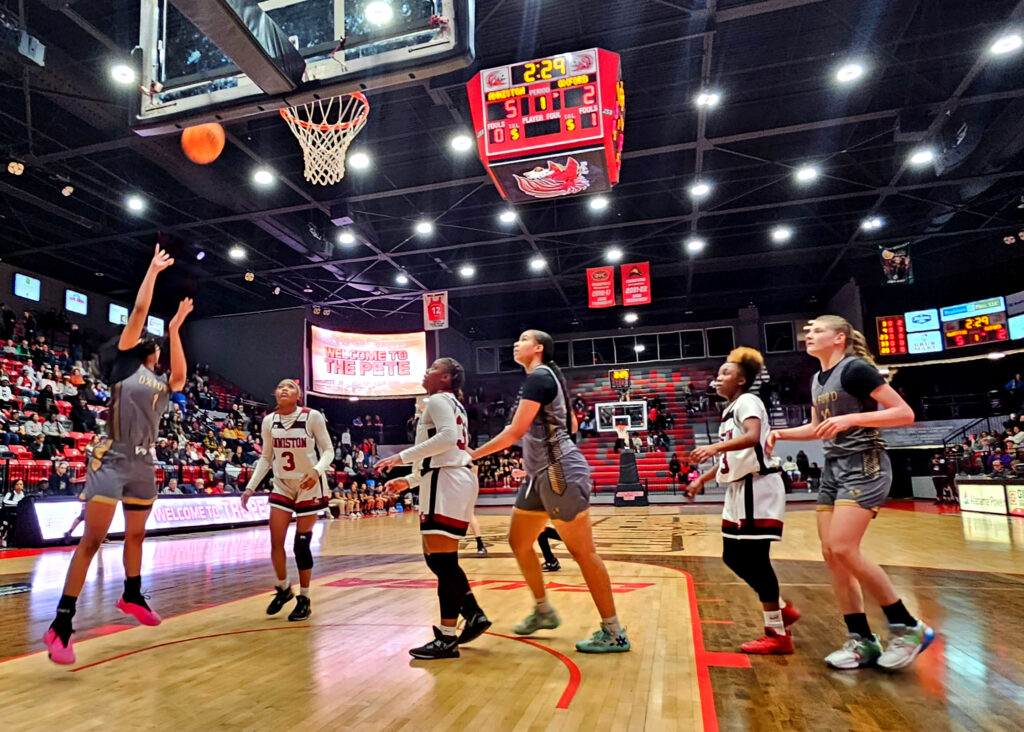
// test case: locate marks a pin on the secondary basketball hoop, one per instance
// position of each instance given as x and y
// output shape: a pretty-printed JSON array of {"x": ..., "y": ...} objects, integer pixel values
[{"x": 325, "y": 128}]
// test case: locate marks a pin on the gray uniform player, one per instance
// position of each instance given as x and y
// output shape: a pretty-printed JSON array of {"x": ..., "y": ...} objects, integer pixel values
[
  {"x": 120, "y": 466},
  {"x": 857, "y": 469},
  {"x": 557, "y": 487},
  {"x": 851, "y": 404}
]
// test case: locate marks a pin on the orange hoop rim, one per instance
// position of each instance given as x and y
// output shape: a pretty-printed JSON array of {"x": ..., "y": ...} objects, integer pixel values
[{"x": 286, "y": 112}]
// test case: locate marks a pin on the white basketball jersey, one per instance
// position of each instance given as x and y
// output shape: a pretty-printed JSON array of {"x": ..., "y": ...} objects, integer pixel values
[
  {"x": 442, "y": 435},
  {"x": 295, "y": 451},
  {"x": 737, "y": 464}
]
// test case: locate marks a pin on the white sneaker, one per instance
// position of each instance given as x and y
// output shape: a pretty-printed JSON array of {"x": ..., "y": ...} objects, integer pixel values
[
  {"x": 857, "y": 652},
  {"x": 905, "y": 645}
]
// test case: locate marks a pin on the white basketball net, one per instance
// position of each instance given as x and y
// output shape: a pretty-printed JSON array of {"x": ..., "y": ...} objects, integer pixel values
[{"x": 324, "y": 129}]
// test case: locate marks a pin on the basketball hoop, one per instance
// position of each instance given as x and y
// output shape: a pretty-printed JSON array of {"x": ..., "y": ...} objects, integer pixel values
[{"x": 325, "y": 128}]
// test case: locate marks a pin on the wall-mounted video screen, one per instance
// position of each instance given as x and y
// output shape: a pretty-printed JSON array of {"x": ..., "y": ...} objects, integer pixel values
[
  {"x": 26, "y": 287},
  {"x": 76, "y": 302},
  {"x": 118, "y": 314}
]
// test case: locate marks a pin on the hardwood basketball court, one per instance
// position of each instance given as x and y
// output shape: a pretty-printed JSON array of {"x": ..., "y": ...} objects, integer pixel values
[{"x": 218, "y": 662}]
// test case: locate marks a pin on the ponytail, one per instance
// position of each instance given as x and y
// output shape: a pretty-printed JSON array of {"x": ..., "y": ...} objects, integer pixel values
[
  {"x": 548, "y": 359},
  {"x": 457, "y": 373},
  {"x": 856, "y": 343}
]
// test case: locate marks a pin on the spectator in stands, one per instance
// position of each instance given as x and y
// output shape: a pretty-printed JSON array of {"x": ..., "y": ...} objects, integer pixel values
[
  {"x": 75, "y": 344},
  {"x": 32, "y": 427},
  {"x": 46, "y": 403},
  {"x": 76, "y": 377},
  {"x": 210, "y": 441},
  {"x": 60, "y": 481},
  {"x": 9, "y": 431},
  {"x": 30, "y": 326},
  {"x": 26, "y": 384},
  {"x": 674, "y": 469},
  {"x": 1015, "y": 390},
  {"x": 6, "y": 395},
  {"x": 55, "y": 434},
  {"x": 88, "y": 392},
  {"x": 41, "y": 449},
  {"x": 1017, "y": 464},
  {"x": 997, "y": 470},
  {"x": 357, "y": 422},
  {"x": 217, "y": 489},
  {"x": 200, "y": 486},
  {"x": 377, "y": 421},
  {"x": 802, "y": 464},
  {"x": 7, "y": 321},
  {"x": 82, "y": 418},
  {"x": 172, "y": 488},
  {"x": 46, "y": 379},
  {"x": 68, "y": 391},
  {"x": 587, "y": 427},
  {"x": 9, "y": 510},
  {"x": 998, "y": 456},
  {"x": 790, "y": 468},
  {"x": 813, "y": 477},
  {"x": 637, "y": 443}
]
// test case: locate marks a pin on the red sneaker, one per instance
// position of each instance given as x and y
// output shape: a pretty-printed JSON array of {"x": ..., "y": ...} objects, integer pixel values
[
  {"x": 55, "y": 648},
  {"x": 143, "y": 614},
  {"x": 771, "y": 644},
  {"x": 790, "y": 615}
]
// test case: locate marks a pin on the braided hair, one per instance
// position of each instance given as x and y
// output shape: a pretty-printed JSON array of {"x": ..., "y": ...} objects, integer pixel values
[
  {"x": 548, "y": 359},
  {"x": 457, "y": 373}
]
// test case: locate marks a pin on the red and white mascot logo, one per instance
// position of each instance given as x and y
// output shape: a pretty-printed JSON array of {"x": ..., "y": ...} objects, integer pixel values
[{"x": 555, "y": 180}]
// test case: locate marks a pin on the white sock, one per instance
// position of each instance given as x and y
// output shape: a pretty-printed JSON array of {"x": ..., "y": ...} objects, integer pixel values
[
  {"x": 612, "y": 624},
  {"x": 773, "y": 620},
  {"x": 782, "y": 603},
  {"x": 449, "y": 631},
  {"x": 304, "y": 591},
  {"x": 282, "y": 584},
  {"x": 543, "y": 606}
]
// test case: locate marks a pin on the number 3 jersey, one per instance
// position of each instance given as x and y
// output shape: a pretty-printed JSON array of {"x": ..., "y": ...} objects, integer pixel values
[
  {"x": 442, "y": 435},
  {"x": 293, "y": 445},
  {"x": 737, "y": 464}
]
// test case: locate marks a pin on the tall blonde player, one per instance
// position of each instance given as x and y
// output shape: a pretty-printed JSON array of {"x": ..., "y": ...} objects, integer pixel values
[
  {"x": 448, "y": 490},
  {"x": 298, "y": 449}
]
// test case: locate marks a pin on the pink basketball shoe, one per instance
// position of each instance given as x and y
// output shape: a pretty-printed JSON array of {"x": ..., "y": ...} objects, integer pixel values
[
  {"x": 55, "y": 648},
  {"x": 143, "y": 613}
]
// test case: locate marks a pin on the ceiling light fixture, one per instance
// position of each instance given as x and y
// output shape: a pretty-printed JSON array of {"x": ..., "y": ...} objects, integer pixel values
[
  {"x": 922, "y": 156},
  {"x": 346, "y": 237},
  {"x": 401, "y": 279},
  {"x": 806, "y": 173},
  {"x": 249, "y": 276},
  {"x": 872, "y": 223},
  {"x": 699, "y": 190},
  {"x": 996, "y": 355},
  {"x": 15, "y": 167},
  {"x": 358, "y": 161},
  {"x": 136, "y": 203},
  {"x": 122, "y": 73},
  {"x": 614, "y": 254},
  {"x": 277, "y": 290},
  {"x": 424, "y": 227},
  {"x": 236, "y": 252},
  {"x": 695, "y": 245},
  {"x": 379, "y": 12},
  {"x": 639, "y": 348},
  {"x": 781, "y": 234},
  {"x": 708, "y": 99},
  {"x": 507, "y": 216},
  {"x": 598, "y": 203},
  {"x": 467, "y": 270},
  {"x": 849, "y": 72},
  {"x": 307, "y": 289},
  {"x": 461, "y": 142},
  {"x": 631, "y": 317},
  {"x": 200, "y": 255},
  {"x": 67, "y": 191},
  {"x": 263, "y": 177},
  {"x": 538, "y": 263},
  {"x": 1006, "y": 44}
]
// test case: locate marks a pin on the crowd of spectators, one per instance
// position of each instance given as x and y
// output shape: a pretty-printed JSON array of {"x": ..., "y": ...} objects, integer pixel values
[{"x": 992, "y": 453}]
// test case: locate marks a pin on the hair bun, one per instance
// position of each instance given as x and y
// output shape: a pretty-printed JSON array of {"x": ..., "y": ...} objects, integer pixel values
[{"x": 745, "y": 354}]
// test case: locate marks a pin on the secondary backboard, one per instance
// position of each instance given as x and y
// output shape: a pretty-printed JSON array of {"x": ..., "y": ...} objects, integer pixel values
[
  {"x": 348, "y": 45},
  {"x": 634, "y": 414}
]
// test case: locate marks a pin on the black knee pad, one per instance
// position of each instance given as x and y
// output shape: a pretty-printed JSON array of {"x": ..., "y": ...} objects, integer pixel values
[{"x": 303, "y": 555}]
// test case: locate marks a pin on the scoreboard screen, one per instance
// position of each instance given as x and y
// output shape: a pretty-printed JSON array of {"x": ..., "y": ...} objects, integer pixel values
[
  {"x": 892, "y": 335},
  {"x": 545, "y": 102},
  {"x": 619, "y": 379},
  {"x": 975, "y": 330}
]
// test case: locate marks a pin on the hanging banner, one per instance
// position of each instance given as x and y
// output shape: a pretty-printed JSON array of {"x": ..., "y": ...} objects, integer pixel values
[
  {"x": 636, "y": 283},
  {"x": 601, "y": 287},
  {"x": 896, "y": 265},
  {"x": 435, "y": 310}
]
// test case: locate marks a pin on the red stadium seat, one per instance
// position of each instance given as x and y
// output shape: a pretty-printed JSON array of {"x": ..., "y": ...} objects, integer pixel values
[
  {"x": 64, "y": 408},
  {"x": 20, "y": 451}
]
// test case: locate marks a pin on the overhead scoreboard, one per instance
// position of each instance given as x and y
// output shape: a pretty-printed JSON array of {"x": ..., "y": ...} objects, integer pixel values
[
  {"x": 957, "y": 326},
  {"x": 551, "y": 127}
]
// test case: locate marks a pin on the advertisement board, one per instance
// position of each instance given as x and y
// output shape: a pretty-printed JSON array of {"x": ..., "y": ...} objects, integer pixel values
[
  {"x": 366, "y": 364},
  {"x": 982, "y": 497}
]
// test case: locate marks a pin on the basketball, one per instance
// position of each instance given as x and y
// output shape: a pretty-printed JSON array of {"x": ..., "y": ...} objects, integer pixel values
[{"x": 203, "y": 143}]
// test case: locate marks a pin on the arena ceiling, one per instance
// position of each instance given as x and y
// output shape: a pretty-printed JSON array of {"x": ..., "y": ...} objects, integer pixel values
[{"x": 929, "y": 80}]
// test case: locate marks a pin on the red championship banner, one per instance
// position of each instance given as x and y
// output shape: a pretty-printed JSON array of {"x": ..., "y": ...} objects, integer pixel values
[
  {"x": 435, "y": 310},
  {"x": 601, "y": 287},
  {"x": 636, "y": 283}
]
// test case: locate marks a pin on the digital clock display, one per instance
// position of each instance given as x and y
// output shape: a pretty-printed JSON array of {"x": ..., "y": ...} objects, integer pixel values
[
  {"x": 892, "y": 335},
  {"x": 543, "y": 70},
  {"x": 975, "y": 330}
]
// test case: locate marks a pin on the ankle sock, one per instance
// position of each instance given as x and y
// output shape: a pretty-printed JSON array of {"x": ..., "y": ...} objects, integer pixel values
[
  {"x": 543, "y": 606},
  {"x": 858, "y": 623},
  {"x": 612, "y": 624},
  {"x": 282, "y": 584},
  {"x": 304, "y": 592},
  {"x": 449, "y": 631},
  {"x": 773, "y": 620},
  {"x": 896, "y": 614}
]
